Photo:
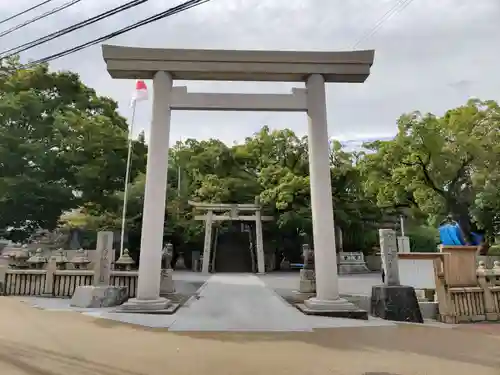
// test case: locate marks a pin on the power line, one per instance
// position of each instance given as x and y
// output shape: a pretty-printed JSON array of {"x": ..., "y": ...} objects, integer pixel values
[
  {"x": 398, "y": 7},
  {"x": 174, "y": 10},
  {"x": 39, "y": 17},
  {"x": 25, "y": 11},
  {"x": 386, "y": 16},
  {"x": 26, "y": 46}
]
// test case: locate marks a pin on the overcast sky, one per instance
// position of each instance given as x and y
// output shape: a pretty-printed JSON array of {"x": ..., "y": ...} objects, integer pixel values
[{"x": 431, "y": 56}]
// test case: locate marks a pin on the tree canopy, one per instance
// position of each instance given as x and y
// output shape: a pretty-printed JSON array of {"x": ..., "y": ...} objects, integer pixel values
[
  {"x": 441, "y": 165},
  {"x": 61, "y": 146}
]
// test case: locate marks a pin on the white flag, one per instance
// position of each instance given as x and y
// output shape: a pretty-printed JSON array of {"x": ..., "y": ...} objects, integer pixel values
[{"x": 140, "y": 93}]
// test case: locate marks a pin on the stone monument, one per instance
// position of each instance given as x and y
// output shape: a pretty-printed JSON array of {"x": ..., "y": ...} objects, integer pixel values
[
  {"x": 351, "y": 263},
  {"x": 393, "y": 301}
]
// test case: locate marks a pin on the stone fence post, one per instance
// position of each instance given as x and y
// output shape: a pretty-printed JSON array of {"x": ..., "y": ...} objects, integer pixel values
[
  {"x": 3, "y": 275},
  {"x": 486, "y": 279},
  {"x": 51, "y": 268}
]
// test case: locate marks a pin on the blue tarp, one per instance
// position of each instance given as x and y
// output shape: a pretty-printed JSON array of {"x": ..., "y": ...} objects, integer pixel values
[
  {"x": 477, "y": 239},
  {"x": 450, "y": 235}
]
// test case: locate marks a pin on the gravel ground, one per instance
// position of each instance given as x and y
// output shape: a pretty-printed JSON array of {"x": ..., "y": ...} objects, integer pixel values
[{"x": 38, "y": 342}]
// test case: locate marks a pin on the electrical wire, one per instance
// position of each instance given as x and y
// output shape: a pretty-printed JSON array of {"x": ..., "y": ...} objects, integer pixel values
[
  {"x": 395, "y": 9},
  {"x": 25, "y": 11},
  {"x": 39, "y": 17},
  {"x": 26, "y": 46},
  {"x": 169, "y": 12}
]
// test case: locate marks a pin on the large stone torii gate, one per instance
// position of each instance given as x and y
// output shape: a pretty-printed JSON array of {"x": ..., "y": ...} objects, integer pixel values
[{"x": 166, "y": 65}]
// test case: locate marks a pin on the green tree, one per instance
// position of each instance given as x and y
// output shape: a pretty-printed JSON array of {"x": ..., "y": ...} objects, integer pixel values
[
  {"x": 440, "y": 165},
  {"x": 270, "y": 164},
  {"x": 61, "y": 146}
]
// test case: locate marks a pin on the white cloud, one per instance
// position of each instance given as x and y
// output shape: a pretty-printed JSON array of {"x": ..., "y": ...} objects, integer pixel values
[{"x": 430, "y": 57}]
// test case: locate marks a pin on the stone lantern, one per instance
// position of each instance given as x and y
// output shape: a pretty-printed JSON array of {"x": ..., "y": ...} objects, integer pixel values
[
  {"x": 21, "y": 257},
  {"x": 37, "y": 261},
  {"x": 60, "y": 259},
  {"x": 125, "y": 261},
  {"x": 12, "y": 258},
  {"x": 80, "y": 260}
]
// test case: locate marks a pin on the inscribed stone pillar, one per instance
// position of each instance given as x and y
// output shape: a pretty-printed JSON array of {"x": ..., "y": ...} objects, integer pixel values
[
  {"x": 389, "y": 255},
  {"x": 393, "y": 301},
  {"x": 104, "y": 253}
]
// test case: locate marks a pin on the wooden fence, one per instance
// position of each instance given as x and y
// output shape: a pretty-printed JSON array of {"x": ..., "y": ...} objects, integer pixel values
[{"x": 466, "y": 292}]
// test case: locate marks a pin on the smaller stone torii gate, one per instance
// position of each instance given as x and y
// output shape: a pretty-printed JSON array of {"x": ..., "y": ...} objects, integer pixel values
[{"x": 231, "y": 212}]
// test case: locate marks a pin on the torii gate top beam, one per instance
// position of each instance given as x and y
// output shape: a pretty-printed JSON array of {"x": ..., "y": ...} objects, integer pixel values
[
  {"x": 223, "y": 65},
  {"x": 224, "y": 206},
  {"x": 233, "y": 210}
]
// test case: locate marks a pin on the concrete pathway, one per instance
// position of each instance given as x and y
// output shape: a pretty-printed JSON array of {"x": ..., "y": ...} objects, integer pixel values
[
  {"x": 230, "y": 302},
  {"x": 244, "y": 303}
]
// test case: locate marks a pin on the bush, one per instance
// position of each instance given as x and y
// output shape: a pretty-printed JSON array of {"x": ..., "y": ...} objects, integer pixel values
[
  {"x": 423, "y": 239},
  {"x": 494, "y": 250}
]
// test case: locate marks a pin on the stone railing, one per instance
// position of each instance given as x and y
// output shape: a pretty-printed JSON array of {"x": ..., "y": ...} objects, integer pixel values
[
  {"x": 466, "y": 293},
  {"x": 35, "y": 275},
  {"x": 125, "y": 278},
  {"x": 66, "y": 281},
  {"x": 54, "y": 282},
  {"x": 23, "y": 282}
]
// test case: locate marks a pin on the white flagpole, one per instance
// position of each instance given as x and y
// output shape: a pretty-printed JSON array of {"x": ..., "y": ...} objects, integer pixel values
[
  {"x": 179, "y": 174},
  {"x": 127, "y": 177}
]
